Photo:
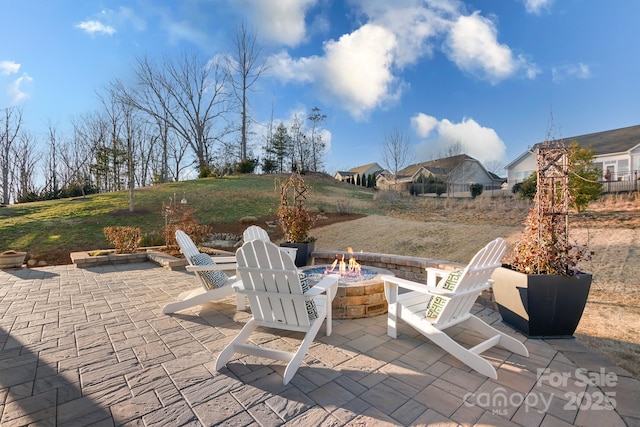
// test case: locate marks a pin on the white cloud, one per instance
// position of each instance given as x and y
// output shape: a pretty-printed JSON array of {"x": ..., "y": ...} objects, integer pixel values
[
  {"x": 360, "y": 71},
  {"x": 18, "y": 89},
  {"x": 299, "y": 70},
  {"x": 355, "y": 71},
  {"x": 481, "y": 143},
  {"x": 9, "y": 67},
  {"x": 472, "y": 44},
  {"x": 579, "y": 71},
  {"x": 278, "y": 21},
  {"x": 93, "y": 27},
  {"x": 414, "y": 25},
  {"x": 423, "y": 124},
  {"x": 536, "y": 6}
]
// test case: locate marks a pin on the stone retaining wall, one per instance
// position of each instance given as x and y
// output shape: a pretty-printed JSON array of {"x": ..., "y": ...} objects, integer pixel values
[{"x": 84, "y": 260}]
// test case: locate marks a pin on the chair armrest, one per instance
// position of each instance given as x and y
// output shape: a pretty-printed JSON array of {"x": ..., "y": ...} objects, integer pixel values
[
  {"x": 221, "y": 267},
  {"x": 224, "y": 259},
  {"x": 433, "y": 273},
  {"x": 437, "y": 271},
  {"x": 415, "y": 286},
  {"x": 327, "y": 283}
]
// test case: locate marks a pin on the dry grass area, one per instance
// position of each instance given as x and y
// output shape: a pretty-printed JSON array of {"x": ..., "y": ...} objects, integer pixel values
[{"x": 455, "y": 229}]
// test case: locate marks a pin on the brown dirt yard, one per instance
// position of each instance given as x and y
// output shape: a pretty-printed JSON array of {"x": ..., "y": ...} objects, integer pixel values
[{"x": 611, "y": 321}]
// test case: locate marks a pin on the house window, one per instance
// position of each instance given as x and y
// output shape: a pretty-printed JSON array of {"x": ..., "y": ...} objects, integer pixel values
[{"x": 623, "y": 169}]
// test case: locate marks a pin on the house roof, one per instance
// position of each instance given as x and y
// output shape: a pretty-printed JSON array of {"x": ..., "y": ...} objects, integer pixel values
[
  {"x": 436, "y": 167},
  {"x": 610, "y": 141},
  {"x": 606, "y": 142},
  {"x": 361, "y": 169}
]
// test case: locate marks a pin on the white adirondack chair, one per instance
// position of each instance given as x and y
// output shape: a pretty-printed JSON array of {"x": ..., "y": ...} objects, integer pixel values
[
  {"x": 432, "y": 308},
  {"x": 206, "y": 292},
  {"x": 253, "y": 232},
  {"x": 278, "y": 300}
]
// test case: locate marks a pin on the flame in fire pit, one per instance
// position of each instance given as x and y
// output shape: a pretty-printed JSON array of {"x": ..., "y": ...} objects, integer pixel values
[{"x": 345, "y": 268}]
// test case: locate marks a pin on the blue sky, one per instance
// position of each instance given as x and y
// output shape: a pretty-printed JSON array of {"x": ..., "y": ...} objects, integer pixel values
[{"x": 488, "y": 74}]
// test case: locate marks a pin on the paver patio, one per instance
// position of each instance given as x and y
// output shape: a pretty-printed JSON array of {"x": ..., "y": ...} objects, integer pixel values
[{"x": 82, "y": 347}]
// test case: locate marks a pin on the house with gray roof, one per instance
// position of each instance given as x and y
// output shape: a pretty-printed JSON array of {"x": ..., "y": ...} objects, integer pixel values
[
  {"x": 458, "y": 172},
  {"x": 365, "y": 170},
  {"x": 616, "y": 154}
]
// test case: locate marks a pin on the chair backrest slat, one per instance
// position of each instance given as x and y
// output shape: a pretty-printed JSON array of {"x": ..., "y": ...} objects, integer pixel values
[
  {"x": 253, "y": 232},
  {"x": 263, "y": 267},
  {"x": 187, "y": 247},
  {"x": 475, "y": 276}
]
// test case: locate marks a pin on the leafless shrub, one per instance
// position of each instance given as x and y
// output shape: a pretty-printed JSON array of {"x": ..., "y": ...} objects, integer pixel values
[
  {"x": 387, "y": 196},
  {"x": 343, "y": 207},
  {"x": 126, "y": 240}
]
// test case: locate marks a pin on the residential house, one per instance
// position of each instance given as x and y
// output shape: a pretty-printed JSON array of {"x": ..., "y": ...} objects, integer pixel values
[
  {"x": 616, "y": 154},
  {"x": 457, "y": 172},
  {"x": 366, "y": 170}
]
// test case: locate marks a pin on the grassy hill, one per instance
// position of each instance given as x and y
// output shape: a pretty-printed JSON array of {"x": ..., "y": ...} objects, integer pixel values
[{"x": 77, "y": 224}]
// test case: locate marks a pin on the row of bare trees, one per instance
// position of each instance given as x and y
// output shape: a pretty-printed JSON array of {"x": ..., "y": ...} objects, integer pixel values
[{"x": 170, "y": 116}]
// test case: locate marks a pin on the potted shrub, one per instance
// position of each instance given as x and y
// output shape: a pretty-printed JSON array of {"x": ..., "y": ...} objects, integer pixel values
[
  {"x": 540, "y": 291},
  {"x": 295, "y": 219}
]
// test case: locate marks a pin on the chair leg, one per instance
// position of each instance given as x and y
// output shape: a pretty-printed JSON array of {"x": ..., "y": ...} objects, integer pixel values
[
  {"x": 458, "y": 351},
  {"x": 294, "y": 364},
  {"x": 507, "y": 342},
  {"x": 198, "y": 296},
  {"x": 226, "y": 354},
  {"x": 392, "y": 320},
  {"x": 240, "y": 301},
  {"x": 472, "y": 360},
  {"x": 187, "y": 299}
]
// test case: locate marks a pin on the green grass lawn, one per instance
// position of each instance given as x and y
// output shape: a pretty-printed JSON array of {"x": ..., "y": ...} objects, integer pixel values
[{"x": 77, "y": 224}]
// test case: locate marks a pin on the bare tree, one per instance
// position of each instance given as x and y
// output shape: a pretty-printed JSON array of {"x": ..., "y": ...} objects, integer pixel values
[
  {"x": 188, "y": 95},
  {"x": 10, "y": 124},
  {"x": 52, "y": 182},
  {"x": 317, "y": 144},
  {"x": 245, "y": 67},
  {"x": 76, "y": 154},
  {"x": 494, "y": 166},
  {"x": 301, "y": 151},
  {"x": 91, "y": 131},
  {"x": 454, "y": 148},
  {"x": 396, "y": 152},
  {"x": 177, "y": 153},
  {"x": 25, "y": 160}
]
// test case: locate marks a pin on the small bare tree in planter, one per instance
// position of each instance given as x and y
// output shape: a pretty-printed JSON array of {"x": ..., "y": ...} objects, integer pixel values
[
  {"x": 295, "y": 219},
  {"x": 540, "y": 291}
]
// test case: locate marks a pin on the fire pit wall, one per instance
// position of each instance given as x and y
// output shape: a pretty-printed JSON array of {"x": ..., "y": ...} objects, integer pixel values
[{"x": 367, "y": 301}]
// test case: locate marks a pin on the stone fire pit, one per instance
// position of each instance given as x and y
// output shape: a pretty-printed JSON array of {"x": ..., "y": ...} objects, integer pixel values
[{"x": 357, "y": 296}]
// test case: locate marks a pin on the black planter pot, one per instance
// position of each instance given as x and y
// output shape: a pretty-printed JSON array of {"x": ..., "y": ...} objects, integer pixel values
[
  {"x": 541, "y": 305},
  {"x": 303, "y": 253}
]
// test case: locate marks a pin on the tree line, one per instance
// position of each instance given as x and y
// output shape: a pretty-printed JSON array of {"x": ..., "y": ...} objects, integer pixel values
[{"x": 170, "y": 116}]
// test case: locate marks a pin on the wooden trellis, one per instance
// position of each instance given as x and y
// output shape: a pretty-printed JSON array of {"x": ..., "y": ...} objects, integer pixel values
[{"x": 553, "y": 196}]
